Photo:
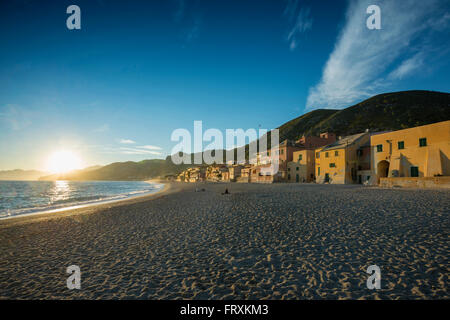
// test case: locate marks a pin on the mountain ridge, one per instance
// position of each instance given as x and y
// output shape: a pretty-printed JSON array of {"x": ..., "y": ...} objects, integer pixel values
[
  {"x": 383, "y": 112},
  {"x": 21, "y": 175}
]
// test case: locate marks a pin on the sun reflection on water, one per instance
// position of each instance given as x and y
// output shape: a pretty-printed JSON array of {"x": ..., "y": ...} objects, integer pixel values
[{"x": 60, "y": 191}]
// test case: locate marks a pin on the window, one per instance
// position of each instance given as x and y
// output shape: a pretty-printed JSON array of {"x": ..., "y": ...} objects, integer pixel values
[
  {"x": 332, "y": 165},
  {"x": 296, "y": 168},
  {"x": 282, "y": 151},
  {"x": 317, "y": 155},
  {"x": 336, "y": 153},
  {"x": 326, "y": 154},
  {"x": 414, "y": 171},
  {"x": 380, "y": 148},
  {"x": 300, "y": 157},
  {"x": 422, "y": 142},
  {"x": 401, "y": 145}
]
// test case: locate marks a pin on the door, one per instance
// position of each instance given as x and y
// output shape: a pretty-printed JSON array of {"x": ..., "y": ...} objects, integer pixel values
[{"x": 414, "y": 171}]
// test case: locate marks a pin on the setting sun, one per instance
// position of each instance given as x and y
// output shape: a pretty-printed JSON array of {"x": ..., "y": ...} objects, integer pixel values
[{"x": 63, "y": 161}]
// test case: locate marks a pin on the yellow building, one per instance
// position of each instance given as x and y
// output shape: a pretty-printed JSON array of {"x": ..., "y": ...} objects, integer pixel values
[
  {"x": 302, "y": 166},
  {"x": 416, "y": 152},
  {"x": 235, "y": 171},
  {"x": 340, "y": 162}
]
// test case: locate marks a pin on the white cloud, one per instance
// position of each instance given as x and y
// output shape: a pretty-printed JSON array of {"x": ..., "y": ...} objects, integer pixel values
[
  {"x": 408, "y": 66},
  {"x": 126, "y": 141},
  {"x": 131, "y": 150},
  {"x": 138, "y": 151},
  {"x": 149, "y": 147},
  {"x": 300, "y": 21},
  {"x": 355, "y": 69}
]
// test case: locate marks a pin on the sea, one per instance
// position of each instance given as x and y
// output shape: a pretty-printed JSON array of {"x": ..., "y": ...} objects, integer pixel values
[{"x": 29, "y": 197}]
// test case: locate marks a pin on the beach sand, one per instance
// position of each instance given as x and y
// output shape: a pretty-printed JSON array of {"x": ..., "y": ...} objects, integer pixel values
[{"x": 280, "y": 241}]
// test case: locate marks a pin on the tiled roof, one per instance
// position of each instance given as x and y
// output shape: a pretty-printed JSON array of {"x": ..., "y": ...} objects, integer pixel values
[{"x": 346, "y": 141}]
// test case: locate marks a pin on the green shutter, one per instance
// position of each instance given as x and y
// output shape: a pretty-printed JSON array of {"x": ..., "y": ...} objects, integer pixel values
[
  {"x": 414, "y": 171},
  {"x": 423, "y": 142}
]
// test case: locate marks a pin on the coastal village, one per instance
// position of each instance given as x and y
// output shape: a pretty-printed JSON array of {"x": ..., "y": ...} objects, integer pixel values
[{"x": 414, "y": 157}]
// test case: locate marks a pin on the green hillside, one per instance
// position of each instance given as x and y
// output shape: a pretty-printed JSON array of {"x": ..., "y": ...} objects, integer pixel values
[
  {"x": 295, "y": 128},
  {"x": 143, "y": 170},
  {"x": 19, "y": 174},
  {"x": 389, "y": 111}
]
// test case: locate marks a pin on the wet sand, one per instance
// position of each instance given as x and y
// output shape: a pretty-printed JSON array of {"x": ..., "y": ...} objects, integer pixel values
[{"x": 280, "y": 241}]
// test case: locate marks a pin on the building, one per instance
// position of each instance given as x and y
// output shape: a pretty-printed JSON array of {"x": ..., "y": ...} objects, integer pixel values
[
  {"x": 225, "y": 174},
  {"x": 196, "y": 174},
  {"x": 286, "y": 149},
  {"x": 343, "y": 161},
  {"x": 418, "y": 152},
  {"x": 217, "y": 172},
  {"x": 302, "y": 168},
  {"x": 313, "y": 142},
  {"x": 244, "y": 174},
  {"x": 261, "y": 174},
  {"x": 235, "y": 171}
]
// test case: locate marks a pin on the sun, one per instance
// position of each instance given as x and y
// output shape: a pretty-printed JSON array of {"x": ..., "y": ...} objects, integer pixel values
[{"x": 63, "y": 161}]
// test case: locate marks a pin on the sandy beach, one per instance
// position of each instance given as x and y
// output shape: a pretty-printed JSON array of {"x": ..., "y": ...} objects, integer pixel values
[{"x": 280, "y": 241}]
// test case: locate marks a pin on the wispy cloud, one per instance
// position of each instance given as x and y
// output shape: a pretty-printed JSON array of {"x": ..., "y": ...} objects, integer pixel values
[
  {"x": 408, "y": 66},
  {"x": 187, "y": 15},
  {"x": 149, "y": 147},
  {"x": 138, "y": 151},
  {"x": 193, "y": 31},
  {"x": 300, "y": 21},
  {"x": 132, "y": 150},
  {"x": 357, "y": 67},
  {"x": 127, "y": 141},
  {"x": 181, "y": 7}
]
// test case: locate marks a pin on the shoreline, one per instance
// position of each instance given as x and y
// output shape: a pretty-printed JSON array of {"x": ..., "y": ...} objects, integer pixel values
[{"x": 82, "y": 208}]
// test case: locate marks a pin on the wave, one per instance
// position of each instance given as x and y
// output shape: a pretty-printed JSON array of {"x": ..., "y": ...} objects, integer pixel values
[{"x": 75, "y": 201}]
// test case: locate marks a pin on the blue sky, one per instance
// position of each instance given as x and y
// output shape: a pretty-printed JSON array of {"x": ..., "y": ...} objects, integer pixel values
[{"x": 137, "y": 70}]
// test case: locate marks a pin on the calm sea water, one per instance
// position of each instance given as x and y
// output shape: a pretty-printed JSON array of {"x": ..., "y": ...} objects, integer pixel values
[{"x": 23, "y": 197}]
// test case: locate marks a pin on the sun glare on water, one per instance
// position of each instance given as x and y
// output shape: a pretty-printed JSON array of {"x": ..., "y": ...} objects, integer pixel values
[{"x": 63, "y": 161}]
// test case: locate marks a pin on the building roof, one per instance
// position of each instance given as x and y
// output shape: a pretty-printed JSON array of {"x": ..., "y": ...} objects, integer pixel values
[{"x": 344, "y": 142}]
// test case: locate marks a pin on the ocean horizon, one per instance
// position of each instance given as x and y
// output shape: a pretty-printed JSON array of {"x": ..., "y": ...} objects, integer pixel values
[{"x": 28, "y": 197}]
